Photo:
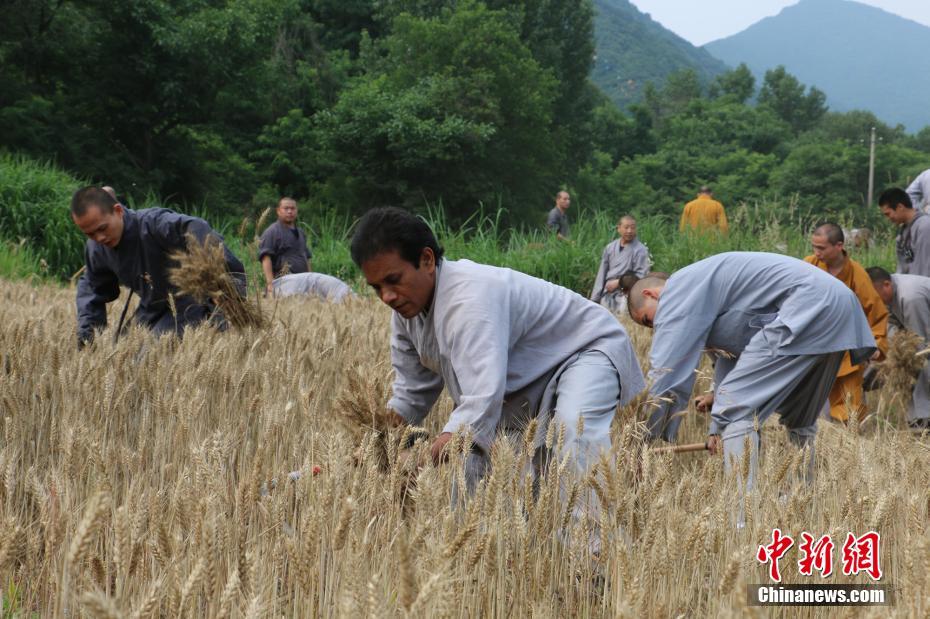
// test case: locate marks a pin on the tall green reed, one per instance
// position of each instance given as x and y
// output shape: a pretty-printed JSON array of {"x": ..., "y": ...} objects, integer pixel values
[{"x": 34, "y": 200}]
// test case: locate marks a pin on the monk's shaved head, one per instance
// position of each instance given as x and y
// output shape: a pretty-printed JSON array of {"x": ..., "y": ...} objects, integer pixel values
[
  {"x": 830, "y": 231},
  {"x": 637, "y": 298},
  {"x": 629, "y": 218},
  {"x": 883, "y": 284},
  {"x": 643, "y": 300}
]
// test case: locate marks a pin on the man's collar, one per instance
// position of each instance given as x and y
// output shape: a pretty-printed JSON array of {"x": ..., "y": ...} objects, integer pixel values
[
  {"x": 844, "y": 265},
  {"x": 130, "y": 228},
  {"x": 917, "y": 213},
  {"x": 432, "y": 302}
]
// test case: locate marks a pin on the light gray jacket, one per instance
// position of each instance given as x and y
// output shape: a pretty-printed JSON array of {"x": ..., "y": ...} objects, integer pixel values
[
  {"x": 723, "y": 301},
  {"x": 497, "y": 340}
]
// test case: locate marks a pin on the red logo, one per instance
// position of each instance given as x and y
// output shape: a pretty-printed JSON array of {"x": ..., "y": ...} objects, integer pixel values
[
  {"x": 860, "y": 554},
  {"x": 816, "y": 555},
  {"x": 773, "y": 552}
]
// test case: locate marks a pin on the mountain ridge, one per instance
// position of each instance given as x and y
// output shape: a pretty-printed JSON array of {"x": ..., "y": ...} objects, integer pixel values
[{"x": 821, "y": 42}]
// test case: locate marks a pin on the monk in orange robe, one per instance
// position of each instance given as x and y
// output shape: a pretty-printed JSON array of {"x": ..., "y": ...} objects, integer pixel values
[
  {"x": 704, "y": 214},
  {"x": 829, "y": 255}
]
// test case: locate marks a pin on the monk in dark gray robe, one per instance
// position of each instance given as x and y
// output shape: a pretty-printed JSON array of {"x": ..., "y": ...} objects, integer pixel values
[{"x": 132, "y": 249}]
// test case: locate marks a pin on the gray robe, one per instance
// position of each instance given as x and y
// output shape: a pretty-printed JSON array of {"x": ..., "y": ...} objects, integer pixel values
[
  {"x": 286, "y": 247},
  {"x": 497, "y": 340},
  {"x": 557, "y": 222},
  {"x": 325, "y": 287},
  {"x": 912, "y": 246},
  {"x": 919, "y": 191},
  {"x": 780, "y": 304},
  {"x": 615, "y": 261},
  {"x": 910, "y": 306}
]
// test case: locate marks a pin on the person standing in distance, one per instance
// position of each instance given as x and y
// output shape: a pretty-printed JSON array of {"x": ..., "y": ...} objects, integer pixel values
[
  {"x": 283, "y": 248},
  {"x": 557, "y": 221}
]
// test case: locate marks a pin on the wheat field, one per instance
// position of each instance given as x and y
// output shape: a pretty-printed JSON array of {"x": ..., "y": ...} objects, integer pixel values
[{"x": 149, "y": 479}]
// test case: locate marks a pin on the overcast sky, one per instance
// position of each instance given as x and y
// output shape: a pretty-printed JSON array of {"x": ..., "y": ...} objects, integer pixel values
[{"x": 703, "y": 21}]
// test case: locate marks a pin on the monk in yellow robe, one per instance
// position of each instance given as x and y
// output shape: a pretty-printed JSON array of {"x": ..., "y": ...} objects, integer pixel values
[
  {"x": 829, "y": 255},
  {"x": 704, "y": 214}
]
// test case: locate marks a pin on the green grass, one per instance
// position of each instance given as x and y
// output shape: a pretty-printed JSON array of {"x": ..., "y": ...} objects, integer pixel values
[
  {"x": 41, "y": 241},
  {"x": 34, "y": 202},
  {"x": 18, "y": 262}
]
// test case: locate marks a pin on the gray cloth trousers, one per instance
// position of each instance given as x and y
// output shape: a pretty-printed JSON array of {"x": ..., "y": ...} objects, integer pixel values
[
  {"x": 588, "y": 389},
  {"x": 760, "y": 383}
]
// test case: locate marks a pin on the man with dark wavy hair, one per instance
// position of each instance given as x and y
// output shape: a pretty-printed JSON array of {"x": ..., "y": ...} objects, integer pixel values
[{"x": 507, "y": 347}]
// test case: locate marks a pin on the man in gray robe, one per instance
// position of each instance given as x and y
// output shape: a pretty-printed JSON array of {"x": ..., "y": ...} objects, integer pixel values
[
  {"x": 506, "y": 346},
  {"x": 283, "y": 248},
  {"x": 781, "y": 326},
  {"x": 621, "y": 256},
  {"x": 557, "y": 221},
  {"x": 908, "y": 300},
  {"x": 912, "y": 243},
  {"x": 319, "y": 285},
  {"x": 919, "y": 191}
]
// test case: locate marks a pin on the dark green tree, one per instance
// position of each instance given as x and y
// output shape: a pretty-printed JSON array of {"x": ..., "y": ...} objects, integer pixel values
[
  {"x": 738, "y": 85},
  {"x": 784, "y": 94},
  {"x": 854, "y": 127},
  {"x": 148, "y": 94},
  {"x": 453, "y": 109},
  {"x": 921, "y": 141},
  {"x": 681, "y": 88}
]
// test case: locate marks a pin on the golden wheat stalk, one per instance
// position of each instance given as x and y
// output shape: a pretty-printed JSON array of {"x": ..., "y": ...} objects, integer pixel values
[
  {"x": 201, "y": 274},
  {"x": 903, "y": 362}
]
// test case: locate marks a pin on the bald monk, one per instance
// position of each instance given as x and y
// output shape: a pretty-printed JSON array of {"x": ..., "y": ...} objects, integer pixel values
[
  {"x": 704, "y": 214},
  {"x": 908, "y": 298},
  {"x": 781, "y": 327},
  {"x": 830, "y": 255},
  {"x": 623, "y": 256}
]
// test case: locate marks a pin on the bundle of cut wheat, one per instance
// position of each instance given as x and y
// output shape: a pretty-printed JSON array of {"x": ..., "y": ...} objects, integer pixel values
[
  {"x": 364, "y": 414},
  {"x": 201, "y": 273},
  {"x": 902, "y": 364}
]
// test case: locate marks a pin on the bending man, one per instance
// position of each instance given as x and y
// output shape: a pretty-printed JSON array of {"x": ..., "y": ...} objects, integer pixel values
[
  {"x": 506, "y": 346},
  {"x": 784, "y": 326},
  {"x": 132, "y": 248},
  {"x": 319, "y": 285},
  {"x": 908, "y": 298}
]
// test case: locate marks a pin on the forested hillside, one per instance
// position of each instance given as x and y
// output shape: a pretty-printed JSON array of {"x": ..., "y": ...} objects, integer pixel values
[
  {"x": 633, "y": 50},
  {"x": 222, "y": 106}
]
